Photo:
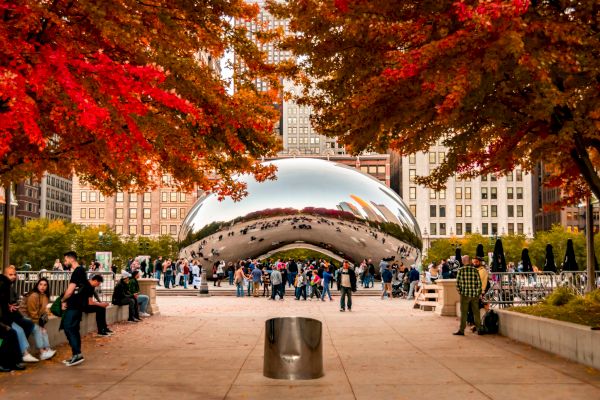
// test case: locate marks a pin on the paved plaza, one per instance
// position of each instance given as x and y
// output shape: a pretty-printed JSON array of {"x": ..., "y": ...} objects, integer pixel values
[{"x": 212, "y": 348}]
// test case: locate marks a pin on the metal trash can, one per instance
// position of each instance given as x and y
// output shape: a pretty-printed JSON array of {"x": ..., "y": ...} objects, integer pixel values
[{"x": 293, "y": 348}]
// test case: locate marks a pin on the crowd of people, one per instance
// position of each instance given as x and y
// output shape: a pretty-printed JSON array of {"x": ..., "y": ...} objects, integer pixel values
[{"x": 25, "y": 314}]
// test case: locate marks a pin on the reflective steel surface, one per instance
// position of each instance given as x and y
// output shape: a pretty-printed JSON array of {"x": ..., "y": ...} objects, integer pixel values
[
  {"x": 311, "y": 201},
  {"x": 293, "y": 348}
]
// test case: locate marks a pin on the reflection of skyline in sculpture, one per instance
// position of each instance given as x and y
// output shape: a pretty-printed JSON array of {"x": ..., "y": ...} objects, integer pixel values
[{"x": 311, "y": 201}]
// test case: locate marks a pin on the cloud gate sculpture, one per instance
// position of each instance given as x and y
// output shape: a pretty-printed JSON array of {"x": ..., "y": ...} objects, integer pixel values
[{"x": 311, "y": 203}]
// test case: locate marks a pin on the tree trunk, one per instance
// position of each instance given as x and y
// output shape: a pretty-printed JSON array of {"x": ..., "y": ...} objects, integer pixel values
[
  {"x": 589, "y": 236},
  {"x": 581, "y": 157},
  {"x": 6, "y": 233}
]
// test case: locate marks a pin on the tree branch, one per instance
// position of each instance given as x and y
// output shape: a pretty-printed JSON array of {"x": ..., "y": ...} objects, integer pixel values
[{"x": 582, "y": 159}]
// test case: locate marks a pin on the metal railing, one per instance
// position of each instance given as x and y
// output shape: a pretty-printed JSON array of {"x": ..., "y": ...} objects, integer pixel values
[
  {"x": 509, "y": 289},
  {"x": 59, "y": 281},
  {"x": 577, "y": 280}
]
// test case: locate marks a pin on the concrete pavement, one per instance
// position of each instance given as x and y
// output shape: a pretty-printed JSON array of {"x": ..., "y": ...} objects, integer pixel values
[{"x": 211, "y": 348}]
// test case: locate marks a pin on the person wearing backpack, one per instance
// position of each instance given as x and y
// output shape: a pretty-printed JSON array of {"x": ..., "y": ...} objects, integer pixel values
[
  {"x": 469, "y": 285},
  {"x": 36, "y": 303}
]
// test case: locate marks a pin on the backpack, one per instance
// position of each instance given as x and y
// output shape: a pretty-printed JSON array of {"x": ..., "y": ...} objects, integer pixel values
[
  {"x": 56, "y": 307},
  {"x": 491, "y": 322}
]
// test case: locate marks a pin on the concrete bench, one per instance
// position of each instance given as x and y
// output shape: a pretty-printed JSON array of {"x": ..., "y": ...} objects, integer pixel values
[{"x": 88, "y": 324}]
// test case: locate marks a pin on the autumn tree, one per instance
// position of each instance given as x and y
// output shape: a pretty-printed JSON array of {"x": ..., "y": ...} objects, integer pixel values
[
  {"x": 121, "y": 92},
  {"x": 500, "y": 82}
]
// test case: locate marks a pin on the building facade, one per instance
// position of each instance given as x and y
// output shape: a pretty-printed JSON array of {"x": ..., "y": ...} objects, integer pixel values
[
  {"x": 56, "y": 194},
  {"x": 28, "y": 193},
  {"x": 152, "y": 214},
  {"x": 488, "y": 205}
]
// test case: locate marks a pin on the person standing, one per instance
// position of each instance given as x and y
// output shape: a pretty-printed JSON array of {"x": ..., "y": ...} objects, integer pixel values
[
  {"x": 292, "y": 272},
  {"x": 186, "y": 273},
  {"x": 413, "y": 279},
  {"x": 256, "y": 279},
  {"x": 327, "y": 277},
  {"x": 468, "y": 284},
  {"x": 73, "y": 302},
  {"x": 239, "y": 281},
  {"x": 277, "y": 282},
  {"x": 347, "y": 283},
  {"x": 386, "y": 278},
  {"x": 158, "y": 269},
  {"x": 230, "y": 272}
]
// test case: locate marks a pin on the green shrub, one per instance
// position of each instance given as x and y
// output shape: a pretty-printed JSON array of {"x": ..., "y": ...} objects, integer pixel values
[
  {"x": 560, "y": 297},
  {"x": 593, "y": 297}
]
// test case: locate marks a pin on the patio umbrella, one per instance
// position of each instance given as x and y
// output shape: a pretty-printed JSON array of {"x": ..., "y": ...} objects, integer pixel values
[
  {"x": 479, "y": 251},
  {"x": 549, "y": 264},
  {"x": 498, "y": 259},
  {"x": 570, "y": 263},
  {"x": 458, "y": 256},
  {"x": 526, "y": 261}
]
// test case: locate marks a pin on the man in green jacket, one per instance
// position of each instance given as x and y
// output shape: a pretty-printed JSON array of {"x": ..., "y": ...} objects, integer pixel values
[
  {"x": 134, "y": 289},
  {"x": 468, "y": 284}
]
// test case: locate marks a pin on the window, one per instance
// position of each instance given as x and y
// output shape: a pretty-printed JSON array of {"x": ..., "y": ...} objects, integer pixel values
[
  {"x": 468, "y": 228},
  {"x": 147, "y": 197},
  {"x": 412, "y": 159},
  {"x": 83, "y": 213},
  {"x": 458, "y": 211},
  {"x": 442, "y": 194},
  {"x": 133, "y": 229},
  {"x": 163, "y": 213},
  {"x": 468, "y": 193},
  {"x": 484, "y": 211},
  {"x": 173, "y": 229},
  {"x": 146, "y": 213},
  {"x": 412, "y": 173},
  {"x": 519, "y": 193},
  {"x": 433, "y": 228},
  {"x": 441, "y": 157},
  {"x": 484, "y": 178},
  {"x": 432, "y": 211},
  {"x": 459, "y": 229},
  {"x": 493, "y": 178},
  {"x": 119, "y": 229},
  {"x": 467, "y": 211},
  {"x": 145, "y": 229},
  {"x": 485, "y": 229},
  {"x": 412, "y": 193},
  {"x": 494, "y": 228},
  {"x": 173, "y": 196},
  {"x": 164, "y": 197},
  {"x": 431, "y": 158},
  {"x": 520, "y": 229},
  {"x": 119, "y": 213},
  {"x": 511, "y": 228},
  {"x": 484, "y": 193},
  {"x": 458, "y": 193},
  {"x": 413, "y": 209},
  {"x": 83, "y": 197},
  {"x": 381, "y": 169},
  {"x": 519, "y": 211},
  {"x": 511, "y": 211},
  {"x": 510, "y": 193},
  {"x": 494, "y": 193},
  {"x": 182, "y": 213},
  {"x": 119, "y": 197},
  {"x": 133, "y": 197},
  {"x": 173, "y": 213},
  {"x": 93, "y": 196},
  {"x": 364, "y": 169},
  {"x": 432, "y": 194},
  {"x": 163, "y": 229},
  {"x": 101, "y": 197},
  {"x": 519, "y": 175},
  {"x": 133, "y": 213},
  {"x": 101, "y": 213},
  {"x": 182, "y": 197},
  {"x": 494, "y": 210},
  {"x": 92, "y": 213},
  {"x": 443, "y": 229},
  {"x": 442, "y": 211},
  {"x": 509, "y": 177}
]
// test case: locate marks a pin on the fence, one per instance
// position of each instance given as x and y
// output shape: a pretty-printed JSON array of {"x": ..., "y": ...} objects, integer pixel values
[
  {"x": 59, "y": 281},
  {"x": 509, "y": 289}
]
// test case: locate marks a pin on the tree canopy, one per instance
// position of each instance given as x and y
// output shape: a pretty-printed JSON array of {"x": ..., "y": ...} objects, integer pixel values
[
  {"x": 500, "y": 82},
  {"x": 121, "y": 92}
]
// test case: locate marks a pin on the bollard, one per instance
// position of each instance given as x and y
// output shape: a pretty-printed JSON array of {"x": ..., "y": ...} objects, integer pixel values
[
  {"x": 293, "y": 348},
  {"x": 203, "y": 292}
]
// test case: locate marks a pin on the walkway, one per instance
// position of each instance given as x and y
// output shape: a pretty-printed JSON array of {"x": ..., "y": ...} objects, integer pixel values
[{"x": 211, "y": 348}]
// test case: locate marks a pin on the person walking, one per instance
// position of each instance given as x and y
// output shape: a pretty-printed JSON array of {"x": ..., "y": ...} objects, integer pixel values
[
  {"x": 73, "y": 302},
  {"x": 468, "y": 284},
  {"x": 386, "y": 278},
  {"x": 277, "y": 282},
  {"x": 327, "y": 278},
  {"x": 413, "y": 279},
  {"x": 347, "y": 284}
]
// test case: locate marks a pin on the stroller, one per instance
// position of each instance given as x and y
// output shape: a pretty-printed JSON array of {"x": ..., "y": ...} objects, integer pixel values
[{"x": 398, "y": 290}]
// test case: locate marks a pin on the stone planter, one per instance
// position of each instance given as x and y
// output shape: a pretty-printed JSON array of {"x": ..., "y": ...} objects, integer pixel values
[{"x": 575, "y": 342}]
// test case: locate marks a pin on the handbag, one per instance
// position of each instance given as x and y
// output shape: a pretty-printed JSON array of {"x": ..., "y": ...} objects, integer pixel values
[
  {"x": 43, "y": 320},
  {"x": 56, "y": 307}
]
